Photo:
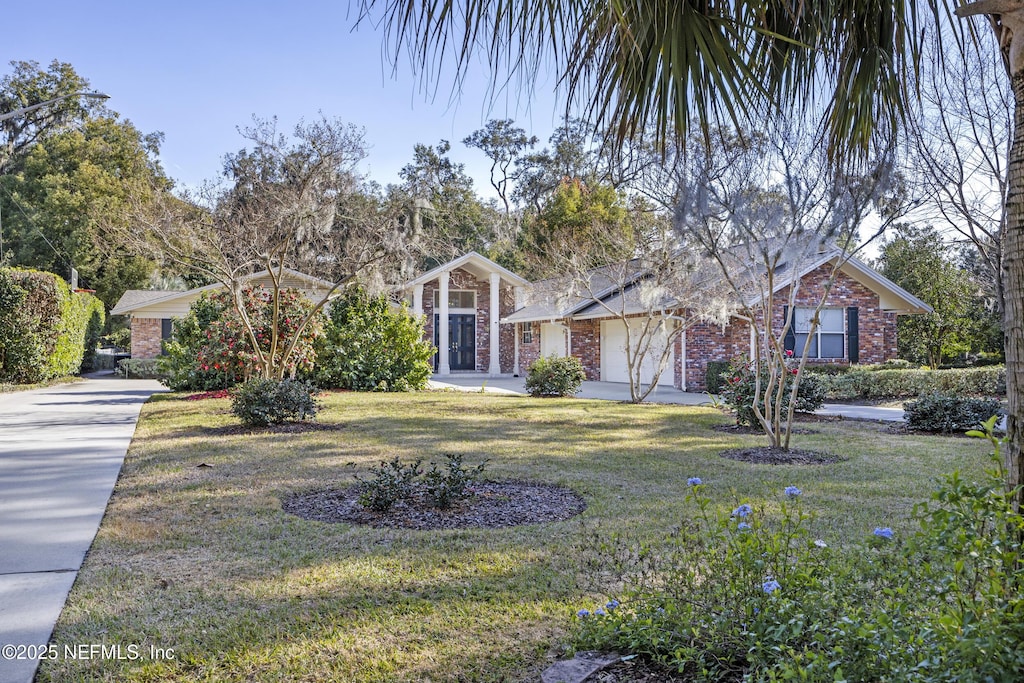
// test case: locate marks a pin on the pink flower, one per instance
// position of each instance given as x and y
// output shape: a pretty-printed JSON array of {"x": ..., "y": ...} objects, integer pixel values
[{"x": 789, "y": 353}]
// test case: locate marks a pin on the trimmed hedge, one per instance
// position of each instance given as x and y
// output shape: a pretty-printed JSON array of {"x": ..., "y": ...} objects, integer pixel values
[
  {"x": 555, "y": 376},
  {"x": 948, "y": 414},
  {"x": 46, "y": 330},
  {"x": 867, "y": 383}
]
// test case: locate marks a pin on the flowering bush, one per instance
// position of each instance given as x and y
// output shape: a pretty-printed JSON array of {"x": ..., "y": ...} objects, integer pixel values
[
  {"x": 761, "y": 600},
  {"x": 210, "y": 347},
  {"x": 740, "y": 386}
]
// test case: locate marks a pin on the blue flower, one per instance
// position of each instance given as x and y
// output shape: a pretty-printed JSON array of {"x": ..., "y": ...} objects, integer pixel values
[
  {"x": 883, "y": 532},
  {"x": 599, "y": 612},
  {"x": 742, "y": 526},
  {"x": 612, "y": 604},
  {"x": 583, "y": 613},
  {"x": 792, "y": 491},
  {"x": 742, "y": 511},
  {"x": 770, "y": 585},
  {"x": 694, "y": 481}
]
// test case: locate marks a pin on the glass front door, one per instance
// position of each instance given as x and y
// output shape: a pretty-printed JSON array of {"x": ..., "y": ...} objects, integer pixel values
[{"x": 461, "y": 341}]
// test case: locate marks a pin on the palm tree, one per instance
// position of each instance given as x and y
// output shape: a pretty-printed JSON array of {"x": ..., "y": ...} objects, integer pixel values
[{"x": 634, "y": 65}]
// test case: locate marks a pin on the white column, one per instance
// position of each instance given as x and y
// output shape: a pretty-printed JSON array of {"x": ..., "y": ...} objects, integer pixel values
[
  {"x": 517, "y": 330},
  {"x": 417, "y": 300},
  {"x": 494, "y": 369},
  {"x": 682, "y": 343},
  {"x": 444, "y": 340}
]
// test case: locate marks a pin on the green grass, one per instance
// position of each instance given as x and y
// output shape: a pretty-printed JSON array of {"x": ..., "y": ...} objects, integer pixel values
[
  {"x": 68, "y": 379},
  {"x": 204, "y": 561}
]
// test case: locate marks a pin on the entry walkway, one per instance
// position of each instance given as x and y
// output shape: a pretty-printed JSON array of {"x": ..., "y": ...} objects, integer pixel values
[
  {"x": 616, "y": 391},
  {"x": 61, "y": 450}
]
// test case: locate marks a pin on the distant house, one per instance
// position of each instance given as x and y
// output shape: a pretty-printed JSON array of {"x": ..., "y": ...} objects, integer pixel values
[
  {"x": 495, "y": 322},
  {"x": 151, "y": 311}
]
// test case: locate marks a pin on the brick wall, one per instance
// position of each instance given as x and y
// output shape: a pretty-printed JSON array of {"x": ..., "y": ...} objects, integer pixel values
[
  {"x": 146, "y": 337},
  {"x": 464, "y": 280},
  {"x": 877, "y": 329},
  {"x": 585, "y": 338},
  {"x": 528, "y": 353}
]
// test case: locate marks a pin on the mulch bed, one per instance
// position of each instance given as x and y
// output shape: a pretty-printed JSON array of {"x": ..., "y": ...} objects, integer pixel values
[
  {"x": 768, "y": 455},
  {"x": 493, "y": 505}
]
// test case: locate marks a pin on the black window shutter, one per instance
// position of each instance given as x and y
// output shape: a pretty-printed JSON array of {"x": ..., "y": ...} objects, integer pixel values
[
  {"x": 852, "y": 335},
  {"x": 166, "y": 326},
  {"x": 789, "y": 343}
]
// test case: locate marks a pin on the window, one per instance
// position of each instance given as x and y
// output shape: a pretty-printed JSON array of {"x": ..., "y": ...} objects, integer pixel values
[
  {"x": 457, "y": 298},
  {"x": 828, "y": 341},
  {"x": 527, "y": 333}
]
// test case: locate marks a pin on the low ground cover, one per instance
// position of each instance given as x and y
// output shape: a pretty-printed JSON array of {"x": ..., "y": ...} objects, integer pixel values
[{"x": 204, "y": 560}]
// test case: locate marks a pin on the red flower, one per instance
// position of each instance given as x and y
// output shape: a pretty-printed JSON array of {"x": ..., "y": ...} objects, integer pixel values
[
  {"x": 795, "y": 370},
  {"x": 789, "y": 353}
]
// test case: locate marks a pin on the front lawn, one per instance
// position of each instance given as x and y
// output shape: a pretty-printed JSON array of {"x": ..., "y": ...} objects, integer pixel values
[{"x": 204, "y": 562}]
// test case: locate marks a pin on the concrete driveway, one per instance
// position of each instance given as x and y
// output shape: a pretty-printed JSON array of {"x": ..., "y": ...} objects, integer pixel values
[
  {"x": 616, "y": 391},
  {"x": 61, "y": 449}
]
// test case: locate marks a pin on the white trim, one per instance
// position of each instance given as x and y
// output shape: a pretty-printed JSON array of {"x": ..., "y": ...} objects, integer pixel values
[
  {"x": 469, "y": 259},
  {"x": 495, "y": 332},
  {"x": 444, "y": 341}
]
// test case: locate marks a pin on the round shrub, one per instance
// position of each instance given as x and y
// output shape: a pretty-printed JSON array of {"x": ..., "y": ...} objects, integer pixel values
[
  {"x": 371, "y": 345},
  {"x": 555, "y": 376},
  {"x": 946, "y": 413},
  {"x": 262, "y": 402}
]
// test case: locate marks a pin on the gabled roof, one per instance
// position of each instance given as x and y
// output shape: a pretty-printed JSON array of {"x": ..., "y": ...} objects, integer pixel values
[
  {"x": 139, "y": 298},
  {"x": 550, "y": 300},
  {"x": 476, "y": 264}
]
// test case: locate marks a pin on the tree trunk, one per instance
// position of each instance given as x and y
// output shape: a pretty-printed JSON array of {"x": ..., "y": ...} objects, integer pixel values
[{"x": 1013, "y": 281}]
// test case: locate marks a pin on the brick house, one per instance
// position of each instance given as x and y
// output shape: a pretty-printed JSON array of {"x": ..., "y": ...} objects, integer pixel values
[
  {"x": 497, "y": 323},
  {"x": 858, "y": 325},
  {"x": 152, "y": 311}
]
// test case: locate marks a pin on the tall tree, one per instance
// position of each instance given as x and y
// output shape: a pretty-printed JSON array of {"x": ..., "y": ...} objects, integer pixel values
[
  {"x": 450, "y": 216},
  {"x": 67, "y": 173},
  {"x": 503, "y": 143},
  {"x": 286, "y": 204},
  {"x": 638, "y": 64},
  {"x": 917, "y": 259}
]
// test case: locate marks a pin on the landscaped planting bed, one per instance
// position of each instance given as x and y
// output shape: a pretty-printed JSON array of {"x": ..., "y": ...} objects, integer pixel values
[{"x": 199, "y": 558}]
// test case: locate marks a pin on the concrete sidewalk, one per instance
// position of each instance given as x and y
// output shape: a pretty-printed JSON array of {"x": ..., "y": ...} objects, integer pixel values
[
  {"x": 62, "y": 449},
  {"x": 616, "y": 391}
]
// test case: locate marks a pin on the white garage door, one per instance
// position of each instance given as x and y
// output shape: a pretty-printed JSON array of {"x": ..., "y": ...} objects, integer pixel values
[
  {"x": 552, "y": 340},
  {"x": 613, "y": 355}
]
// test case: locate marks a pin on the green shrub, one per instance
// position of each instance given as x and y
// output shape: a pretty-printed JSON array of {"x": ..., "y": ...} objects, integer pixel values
[
  {"x": 945, "y": 413},
  {"x": 371, "y": 345},
  {"x": 22, "y": 354},
  {"x": 714, "y": 382},
  {"x": 555, "y": 376},
  {"x": 878, "y": 382},
  {"x": 444, "y": 488},
  {"x": 139, "y": 368},
  {"x": 50, "y": 331},
  {"x": 753, "y": 596},
  {"x": 263, "y": 402},
  {"x": 740, "y": 387},
  {"x": 392, "y": 482}
]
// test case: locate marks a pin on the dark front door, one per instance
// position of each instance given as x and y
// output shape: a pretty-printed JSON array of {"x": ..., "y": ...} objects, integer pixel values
[{"x": 462, "y": 341}]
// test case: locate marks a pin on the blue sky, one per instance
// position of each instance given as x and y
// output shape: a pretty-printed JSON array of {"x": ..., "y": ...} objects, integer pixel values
[{"x": 196, "y": 71}]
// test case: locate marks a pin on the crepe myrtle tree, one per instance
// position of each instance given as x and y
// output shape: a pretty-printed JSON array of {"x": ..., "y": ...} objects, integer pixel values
[
  {"x": 643, "y": 277},
  {"x": 767, "y": 209},
  {"x": 284, "y": 205}
]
